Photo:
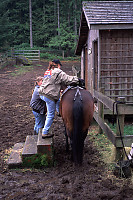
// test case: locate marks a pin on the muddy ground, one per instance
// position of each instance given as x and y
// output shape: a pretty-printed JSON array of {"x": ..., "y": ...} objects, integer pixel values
[{"x": 91, "y": 181}]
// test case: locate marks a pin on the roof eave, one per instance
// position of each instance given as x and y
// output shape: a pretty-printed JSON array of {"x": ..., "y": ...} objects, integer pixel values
[{"x": 83, "y": 31}]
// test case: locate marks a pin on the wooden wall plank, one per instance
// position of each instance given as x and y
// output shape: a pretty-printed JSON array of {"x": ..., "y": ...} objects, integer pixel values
[{"x": 117, "y": 63}]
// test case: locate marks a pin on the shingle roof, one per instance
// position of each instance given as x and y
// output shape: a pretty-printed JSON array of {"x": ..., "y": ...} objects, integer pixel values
[
  {"x": 101, "y": 14},
  {"x": 106, "y": 12}
]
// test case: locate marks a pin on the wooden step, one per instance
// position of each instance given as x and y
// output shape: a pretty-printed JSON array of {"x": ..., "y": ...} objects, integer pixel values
[
  {"x": 15, "y": 159},
  {"x": 44, "y": 146},
  {"x": 34, "y": 144},
  {"x": 30, "y": 146}
]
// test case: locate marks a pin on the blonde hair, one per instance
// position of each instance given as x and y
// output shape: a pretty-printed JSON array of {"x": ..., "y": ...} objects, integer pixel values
[{"x": 39, "y": 78}]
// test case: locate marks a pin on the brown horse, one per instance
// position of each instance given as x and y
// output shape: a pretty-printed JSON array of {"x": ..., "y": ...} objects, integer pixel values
[{"x": 76, "y": 109}]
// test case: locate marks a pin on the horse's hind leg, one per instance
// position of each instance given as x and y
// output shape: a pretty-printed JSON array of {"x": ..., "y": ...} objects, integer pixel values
[
  {"x": 85, "y": 134},
  {"x": 67, "y": 144},
  {"x": 71, "y": 150}
]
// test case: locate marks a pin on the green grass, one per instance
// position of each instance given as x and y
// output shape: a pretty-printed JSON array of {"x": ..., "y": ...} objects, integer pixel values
[
  {"x": 104, "y": 145},
  {"x": 38, "y": 161},
  {"x": 100, "y": 140},
  {"x": 128, "y": 129},
  {"x": 21, "y": 70}
]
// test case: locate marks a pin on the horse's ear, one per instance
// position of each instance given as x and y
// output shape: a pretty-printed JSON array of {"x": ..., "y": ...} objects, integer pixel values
[{"x": 81, "y": 82}]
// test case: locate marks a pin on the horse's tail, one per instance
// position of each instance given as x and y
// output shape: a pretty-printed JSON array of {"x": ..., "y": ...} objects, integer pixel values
[{"x": 77, "y": 137}]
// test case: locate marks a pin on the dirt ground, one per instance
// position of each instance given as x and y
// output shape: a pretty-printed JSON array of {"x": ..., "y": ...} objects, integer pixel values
[{"x": 65, "y": 181}]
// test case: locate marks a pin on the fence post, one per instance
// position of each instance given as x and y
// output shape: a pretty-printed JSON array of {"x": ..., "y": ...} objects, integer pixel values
[
  {"x": 63, "y": 54},
  {"x": 120, "y": 124},
  {"x": 39, "y": 55},
  {"x": 12, "y": 53},
  {"x": 100, "y": 111}
]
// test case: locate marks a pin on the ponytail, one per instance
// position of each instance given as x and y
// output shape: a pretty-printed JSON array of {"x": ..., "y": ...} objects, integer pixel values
[{"x": 51, "y": 65}]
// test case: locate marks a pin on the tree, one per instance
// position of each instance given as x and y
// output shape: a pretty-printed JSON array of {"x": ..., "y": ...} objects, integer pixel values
[
  {"x": 75, "y": 20},
  {"x": 4, "y": 33},
  {"x": 44, "y": 21},
  {"x": 30, "y": 16},
  {"x": 65, "y": 40},
  {"x": 58, "y": 8}
]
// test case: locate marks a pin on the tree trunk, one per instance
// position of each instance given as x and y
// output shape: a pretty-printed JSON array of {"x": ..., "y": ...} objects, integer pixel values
[
  {"x": 30, "y": 15},
  {"x": 44, "y": 12},
  {"x": 58, "y": 9},
  {"x": 68, "y": 14},
  {"x": 55, "y": 18},
  {"x": 75, "y": 22}
]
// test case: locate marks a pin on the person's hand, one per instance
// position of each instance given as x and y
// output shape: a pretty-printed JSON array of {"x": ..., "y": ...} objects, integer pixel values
[
  {"x": 81, "y": 83},
  {"x": 73, "y": 84}
]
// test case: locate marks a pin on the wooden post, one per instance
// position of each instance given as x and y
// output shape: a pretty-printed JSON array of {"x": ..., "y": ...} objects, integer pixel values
[
  {"x": 63, "y": 54},
  {"x": 120, "y": 127},
  {"x": 101, "y": 110},
  {"x": 12, "y": 53},
  {"x": 39, "y": 55}
]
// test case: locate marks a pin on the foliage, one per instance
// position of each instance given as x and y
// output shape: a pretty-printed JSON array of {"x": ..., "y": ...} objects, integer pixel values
[
  {"x": 65, "y": 40},
  {"x": 21, "y": 70},
  {"x": 128, "y": 129},
  {"x": 104, "y": 145},
  {"x": 16, "y": 16},
  {"x": 37, "y": 161},
  {"x": 22, "y": 60},
  {"x": 15, "y": 30},
  {"x": 6, "y": 61},
  {"x": 50, "y": 55},
  {"x": 100, "y": 140}
]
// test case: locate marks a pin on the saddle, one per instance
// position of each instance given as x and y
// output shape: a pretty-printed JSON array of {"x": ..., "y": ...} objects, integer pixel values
[
  {"x": 81, "y": 85},
  {"x": 77, "y": 91}
]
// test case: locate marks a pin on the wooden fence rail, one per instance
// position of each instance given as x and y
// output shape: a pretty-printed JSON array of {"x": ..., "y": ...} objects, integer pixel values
[
  {"x": 123, "y": 109},
  {"x": 33, "y": 55}
]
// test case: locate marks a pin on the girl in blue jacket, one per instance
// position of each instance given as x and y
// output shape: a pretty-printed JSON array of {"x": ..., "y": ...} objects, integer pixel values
[{"x": 38, "y": 107}]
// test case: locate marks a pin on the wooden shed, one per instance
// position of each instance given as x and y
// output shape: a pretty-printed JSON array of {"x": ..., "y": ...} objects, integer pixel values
[{"x": 106, "y": 47}]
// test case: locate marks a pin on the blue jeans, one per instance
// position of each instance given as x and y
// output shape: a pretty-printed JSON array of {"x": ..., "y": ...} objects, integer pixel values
[
  {"x": 58, "y": 105},
  {"x": 39, "y": 121},
  {"x": 51, "y": 107}
]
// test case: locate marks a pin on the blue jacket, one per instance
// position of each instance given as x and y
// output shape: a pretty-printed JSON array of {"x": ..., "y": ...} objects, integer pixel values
[{"x": 36, "y": 103}]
